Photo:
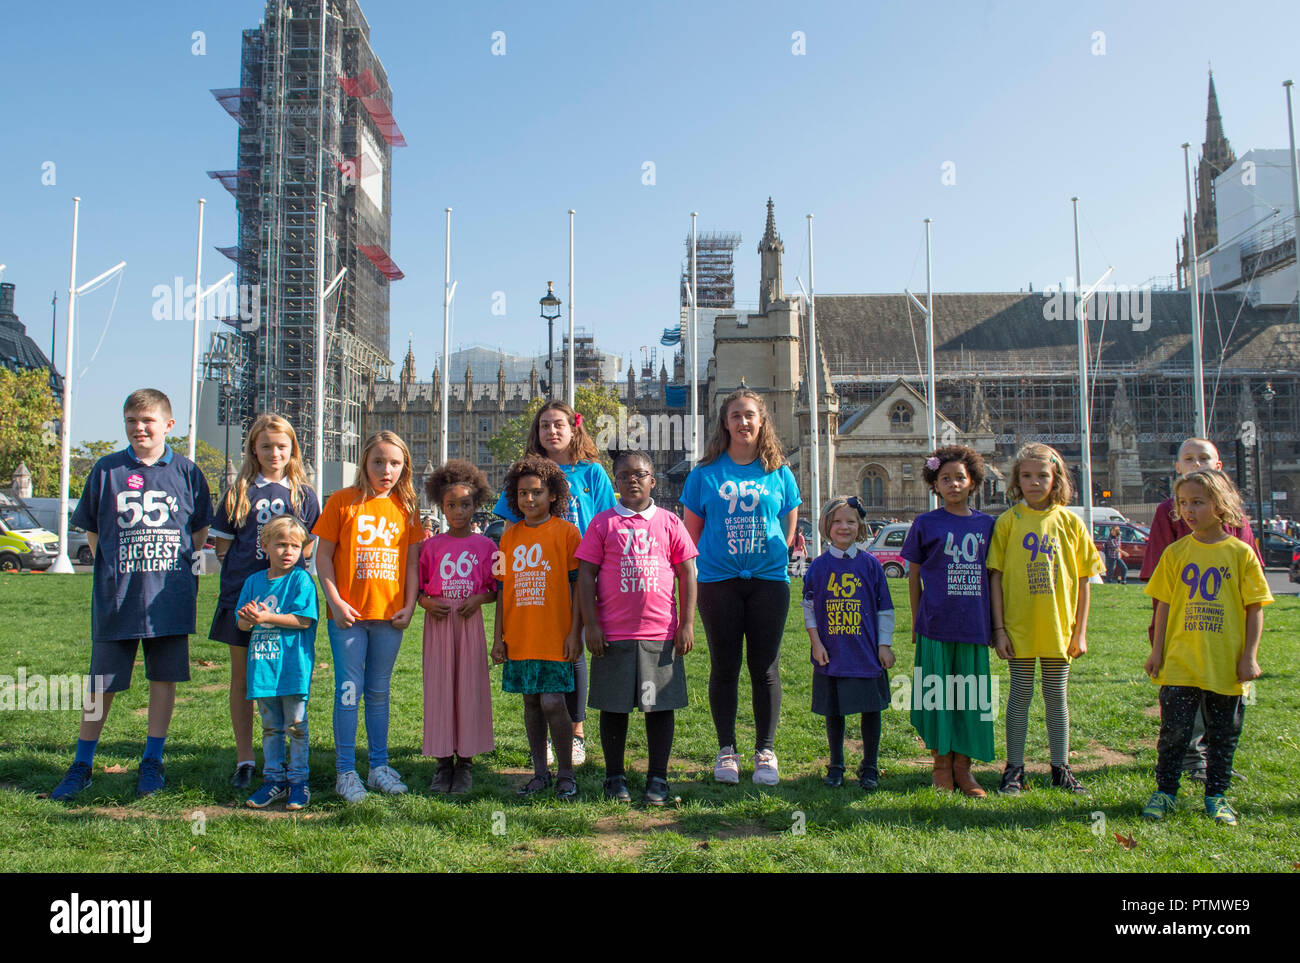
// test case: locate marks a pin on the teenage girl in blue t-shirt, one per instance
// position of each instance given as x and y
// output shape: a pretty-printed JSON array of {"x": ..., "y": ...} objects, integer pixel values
[
  {"x": 741, "y": 506},
  {"x": 558, "y": 433},
  {"x": 272, "y": 481}
]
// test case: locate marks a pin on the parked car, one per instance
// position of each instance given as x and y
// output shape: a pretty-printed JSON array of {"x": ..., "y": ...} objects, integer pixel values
[
  {"x": 495, "y": 530},
  {"x": 1295, "y": 565},
  {"x": 887, "y": 546},
  {"x": 1279, "y": 550},
  {"x": 1133, "y": 541},
  {"x": 46, "y": 513},
  {"x": 1100, "y": 513},
  {"x": 23, "y": 542}
]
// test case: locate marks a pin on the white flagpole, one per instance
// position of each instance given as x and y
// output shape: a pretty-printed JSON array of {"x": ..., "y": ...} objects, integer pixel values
[
  {"x": 446, "y": 349},
  {"x": 812, "y": 400},
  {"x": 930, "y": 435},
  {"x": 198, "y": 323},
  {"x": 569, "y": 379},
  {"x": 693, "y": 352}
]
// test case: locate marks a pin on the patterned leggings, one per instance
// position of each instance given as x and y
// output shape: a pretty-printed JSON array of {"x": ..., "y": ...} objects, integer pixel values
[
  {"x": 1179, "y": 705},
  {"x": 1056, "y": 676}
]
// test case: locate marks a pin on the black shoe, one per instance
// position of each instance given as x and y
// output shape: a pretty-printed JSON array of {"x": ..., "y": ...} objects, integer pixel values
[
  {"x": 1063, "y": 778},
  {"x": 834, "y": 776},
  {"x": 535, "y": 785},
  {"x": 243, "y": 777},
  {"x": 1013, "y": 781},
  {"x": 656, "y": 791},
  {"x": 868, "y": 778},
  {"x": 616, "y": 789},
  {"x": 566, "y": 788}
]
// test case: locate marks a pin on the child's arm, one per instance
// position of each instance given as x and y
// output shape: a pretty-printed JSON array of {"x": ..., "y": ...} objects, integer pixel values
[
  {"x": 344, "y": 614},
  {"x": 1002, "y": 643},
  {"x": 474, "y": 603},
  {"x": 1078, "y": 638},
  {"x": 1248, "y": 667},
  {"x": 573, "y": 641},
  {"x": 410, "y": 588},
  {"x": 914, "y": 592},
  {"x": 819, "y": 653},
  {"x": 686, "y": 591},
  {"x": 587, "y": 602},
  {"x": 498, "y": 639},
  {"x": 223, "y": 546},
  {"x": 1157, "y": 657}
]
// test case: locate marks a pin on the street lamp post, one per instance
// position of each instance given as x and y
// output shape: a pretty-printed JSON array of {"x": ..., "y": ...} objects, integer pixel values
[
  {"x": 550, "y": 311},
  {"x": 1268, "y": 395}
]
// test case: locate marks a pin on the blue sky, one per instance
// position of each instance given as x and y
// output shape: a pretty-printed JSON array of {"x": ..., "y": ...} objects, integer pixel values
[{"x": 857, "y": 130}]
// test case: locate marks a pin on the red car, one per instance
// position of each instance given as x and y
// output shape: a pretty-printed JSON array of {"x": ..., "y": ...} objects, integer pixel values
[{"x": 1133, "y": 541}]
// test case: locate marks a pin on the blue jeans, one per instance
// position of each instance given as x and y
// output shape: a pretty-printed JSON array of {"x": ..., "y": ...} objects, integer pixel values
[
  {"x": 364, "y": 655},
  {"x": 281, "y": 714}
]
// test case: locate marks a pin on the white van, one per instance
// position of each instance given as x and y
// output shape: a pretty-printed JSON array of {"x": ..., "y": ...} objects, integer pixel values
[{"x": 1100, "y": 513}]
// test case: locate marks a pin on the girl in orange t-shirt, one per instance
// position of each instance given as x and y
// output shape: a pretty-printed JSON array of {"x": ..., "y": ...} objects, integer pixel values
[
  {"x": 537, "y": 626},
  {"x": 369, "y": 569}
]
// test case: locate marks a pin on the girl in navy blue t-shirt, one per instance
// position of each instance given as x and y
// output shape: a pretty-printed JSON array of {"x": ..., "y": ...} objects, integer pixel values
[
  {"x": 850, "y": 621},
  {"x": 272, "y": 482}
]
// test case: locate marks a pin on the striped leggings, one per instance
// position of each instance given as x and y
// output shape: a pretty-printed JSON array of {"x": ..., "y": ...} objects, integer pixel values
[{"x": 1056, "y": 676}]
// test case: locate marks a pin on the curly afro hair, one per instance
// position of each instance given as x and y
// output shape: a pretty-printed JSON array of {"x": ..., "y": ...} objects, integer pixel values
[
  {"x": 550, "y": 474},
  {"x": 458, "y": 472},
  {"x": 972, "y": 459}
]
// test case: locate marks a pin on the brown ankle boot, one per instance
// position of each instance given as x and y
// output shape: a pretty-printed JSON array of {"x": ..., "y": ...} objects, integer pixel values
[
  {"x": 962, "y": 776},
  {"x": 942, "y": 770}
]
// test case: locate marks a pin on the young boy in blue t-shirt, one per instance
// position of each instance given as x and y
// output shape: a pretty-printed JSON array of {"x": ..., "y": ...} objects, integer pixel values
[{"x": 146, "y": 510}]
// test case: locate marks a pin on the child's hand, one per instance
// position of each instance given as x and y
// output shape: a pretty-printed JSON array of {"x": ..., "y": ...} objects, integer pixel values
[
  {"x": 1002, "y": 645},
  {"x": 819, "y": 654},
  {"x": 436, "y": 606},
  {"x": 886, "y": 654},
  {"x": 248, "y": 612},
  {"x": 685, "y": 640},
  {"x": 256, "y": 612},
  {"x": 345, "y": 616},
  {"x": 573, "y": 646},
  {"x": 1155, "y": 660},
  {"x": 1078, "y": 646},
  {"x": 499, "y": 652},
  {"x": 402, "y": 619},
  {"x": 470, "y": 606},
  {"x": 595, "y": 640},
  {"x": 1248, "y": 668}
]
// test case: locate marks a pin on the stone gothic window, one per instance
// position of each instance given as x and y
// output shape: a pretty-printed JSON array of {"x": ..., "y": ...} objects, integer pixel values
[
  {"x": 873, "y": 486},
  {"x": 900, "y": 417}
]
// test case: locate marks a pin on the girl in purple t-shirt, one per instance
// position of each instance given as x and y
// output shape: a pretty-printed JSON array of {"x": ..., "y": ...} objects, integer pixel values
[
  {"x": 629, "y": 559},
  {"x": 456, "y": 581},
  {"x": 850, "y": 620},
  {"x": 952, "y": 703}
]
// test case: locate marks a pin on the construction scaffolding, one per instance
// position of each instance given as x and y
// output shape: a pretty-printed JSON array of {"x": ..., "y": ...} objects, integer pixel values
[
  {"x": 715, "y": 274},
  {"x": 310, "y": 135}
]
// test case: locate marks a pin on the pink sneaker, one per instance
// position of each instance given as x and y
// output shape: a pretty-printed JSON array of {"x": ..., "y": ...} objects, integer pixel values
[
  {"x": 765, "y": 772},
  {"x": 726, "y": 768}
]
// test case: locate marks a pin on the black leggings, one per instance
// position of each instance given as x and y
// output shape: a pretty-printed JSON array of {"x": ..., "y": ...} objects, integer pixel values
[
  {"x": 739, "y": 613},
  {"x": 659, "y": 738},
  {"x": 1179, "y": 707}
]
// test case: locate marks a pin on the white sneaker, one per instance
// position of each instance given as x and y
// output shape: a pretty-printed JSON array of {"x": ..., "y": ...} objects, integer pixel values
[
  {"x": 579, "y": 750},
  {"x": 726, "y": 768},
  {"x": 386, "y": 779},
  {"x": 348, "y": 785},
  {"x": 765, "y": 772}
]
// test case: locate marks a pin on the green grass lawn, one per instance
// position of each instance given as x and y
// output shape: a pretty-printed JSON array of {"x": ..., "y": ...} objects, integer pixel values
[{"x": 200, "y": 824}]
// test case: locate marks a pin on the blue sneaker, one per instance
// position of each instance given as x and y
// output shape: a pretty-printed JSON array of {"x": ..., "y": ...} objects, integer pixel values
[
  {"x": 1159, "y": 804},
  {"x": 267, "y": 793},
  {"x": 1218, "y": 809},
  {"x": 151, "y": 777},
  {"x": 299, "y": 796},
  {"x": 77, "y": 779}
]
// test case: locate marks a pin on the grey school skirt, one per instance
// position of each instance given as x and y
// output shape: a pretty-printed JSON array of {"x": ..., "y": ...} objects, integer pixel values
[{"x": 649, "y": 676}]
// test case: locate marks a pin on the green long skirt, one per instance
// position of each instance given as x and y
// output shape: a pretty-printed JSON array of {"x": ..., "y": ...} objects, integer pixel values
[{"x": 953, "y": 700}]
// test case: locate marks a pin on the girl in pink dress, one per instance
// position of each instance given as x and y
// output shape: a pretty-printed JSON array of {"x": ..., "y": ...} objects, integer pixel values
[{"x": 456, "y": 580}]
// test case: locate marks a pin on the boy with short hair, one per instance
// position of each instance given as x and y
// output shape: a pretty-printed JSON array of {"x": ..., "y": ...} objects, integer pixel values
[
  {"x": 278, "y": 606},
  {"x": 1194, "y": 454},
  {"x": 146, "y": 509}
]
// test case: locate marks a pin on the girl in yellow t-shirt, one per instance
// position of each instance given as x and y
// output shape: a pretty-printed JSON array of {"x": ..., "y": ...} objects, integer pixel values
[
  {"x": 1210, "y": 592},
  {"x": 369, "y": 570},
  {"x": 537, "y": 632},
  {"x": 1039, "y": 563}
]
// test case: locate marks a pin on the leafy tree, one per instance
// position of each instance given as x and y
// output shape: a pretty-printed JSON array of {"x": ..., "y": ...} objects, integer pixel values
[
  {"x": 83, "y": 459},
  {"x": 210, "y": 461},
  {"x": 29, "y": 434},
  {"x": 593, "y": 402}
]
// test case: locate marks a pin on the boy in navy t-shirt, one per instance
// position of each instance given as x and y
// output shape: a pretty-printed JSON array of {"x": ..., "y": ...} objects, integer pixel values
[{"x": 146, "y": 510}]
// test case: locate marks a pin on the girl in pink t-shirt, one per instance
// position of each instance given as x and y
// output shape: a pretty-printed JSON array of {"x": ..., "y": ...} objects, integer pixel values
[
  {"x": 455, "y": 582},
  {"x": 629, "y": 557}
]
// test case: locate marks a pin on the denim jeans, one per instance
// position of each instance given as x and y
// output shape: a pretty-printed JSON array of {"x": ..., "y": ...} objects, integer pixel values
[
  {"x": 281, "y": 714},
  {"x": 364, "y": 655}
]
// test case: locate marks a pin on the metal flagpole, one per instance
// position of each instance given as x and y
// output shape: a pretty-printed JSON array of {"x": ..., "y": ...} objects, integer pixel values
[
  {"x": 812, "y": 400},
  {"x": 693, "y": 352},
  {"x": 198, "y": 323},
  {"x": 1085, "y": 409},
  {"x": 930, "y": 435},
  {"x": 446, "y": 347},
  {"x": 1198, "y": 375},
  {"x": 1295, "y": 181},
  {"x": 569, "y": 379}
]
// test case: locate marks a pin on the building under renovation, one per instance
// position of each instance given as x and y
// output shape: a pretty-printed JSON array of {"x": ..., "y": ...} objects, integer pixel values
[{"x": 316, "y": 132}]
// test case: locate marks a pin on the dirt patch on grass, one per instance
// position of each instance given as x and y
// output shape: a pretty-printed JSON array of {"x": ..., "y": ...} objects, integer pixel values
[
  {"x": 1152, "y": 711},
  {"x": 215, "y": 687},
  {"x": 191, "y": 815},
  {"x": 1105, "y": 755}
]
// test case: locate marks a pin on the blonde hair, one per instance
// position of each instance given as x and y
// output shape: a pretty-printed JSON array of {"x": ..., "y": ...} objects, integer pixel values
[
  {"x": 236, "y": 501},
  {"x": 1223, "y": 494},
  {"x": 769, "y": 445},
  {"x": 404, "y": 490},
  {"x": 833, "y": 506},
  {"x": 1062, "y": 491},
  {"x": 276, "y": 526}
]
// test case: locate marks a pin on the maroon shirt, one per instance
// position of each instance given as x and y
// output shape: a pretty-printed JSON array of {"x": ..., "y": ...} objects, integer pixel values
[{"x": 1166, "y": 530}]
